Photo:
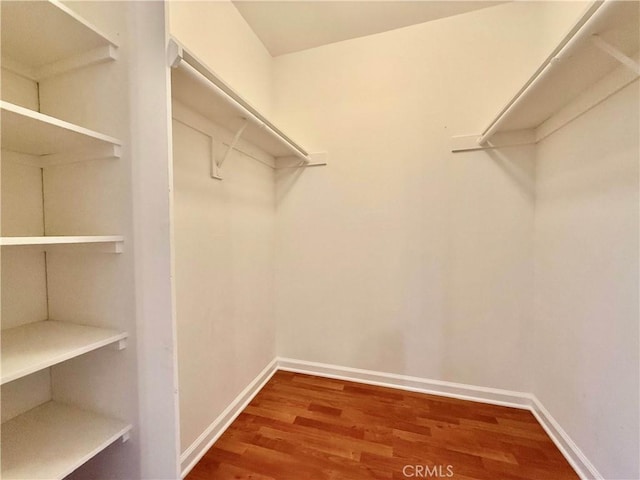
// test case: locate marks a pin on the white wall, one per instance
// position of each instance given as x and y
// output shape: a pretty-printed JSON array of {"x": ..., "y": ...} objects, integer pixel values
[
  {"x": 224, "y": 230},
  {"x": 400, "y": 256},
  {"x": 217, "y": 34},
  {"x": 586, "y": 365}
]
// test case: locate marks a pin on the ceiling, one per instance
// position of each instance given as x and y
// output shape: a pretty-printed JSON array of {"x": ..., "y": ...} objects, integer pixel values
[{"x": 291, "y": 26}]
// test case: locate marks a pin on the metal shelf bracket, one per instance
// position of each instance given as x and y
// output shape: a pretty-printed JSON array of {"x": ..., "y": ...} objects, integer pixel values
[{"x": 217, "y": 165}]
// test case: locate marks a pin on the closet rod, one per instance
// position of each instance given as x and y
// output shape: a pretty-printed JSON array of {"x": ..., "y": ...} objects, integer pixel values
[
  {"x": 579, "y": 32},
  {"x": 179, "y": 57}
]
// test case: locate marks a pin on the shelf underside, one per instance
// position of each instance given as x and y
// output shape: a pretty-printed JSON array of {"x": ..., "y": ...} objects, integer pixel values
[
  {"x": 40, "y": 33},
  {"x": 194, "y": 93},
  {"x": 35, "y": 346},
  {"x": 586, "y": 65},
  {"x": 52, "y": 440},
  {"x": 33, "y": 133}
]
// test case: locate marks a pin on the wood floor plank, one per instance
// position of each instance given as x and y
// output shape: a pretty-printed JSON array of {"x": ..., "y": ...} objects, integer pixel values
[{"x": 306, "y": 427}]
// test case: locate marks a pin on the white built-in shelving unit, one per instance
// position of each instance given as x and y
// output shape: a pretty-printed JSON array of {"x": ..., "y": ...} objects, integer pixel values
[
  {"x": 595, "y": 59},
  {"x": 32, "y": 347},
  {"x": 51, "y": 140},
  {"x": 44, "y": 40},
  {"x": 108, "y": 243},
  {"x": 52, "y": 440}
]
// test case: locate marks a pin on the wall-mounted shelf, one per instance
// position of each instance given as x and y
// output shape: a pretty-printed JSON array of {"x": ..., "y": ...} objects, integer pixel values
[
  {"x": 35, "y": 346},
  {"x": 604, "y": 42},
  {"x": 46, "y": 38},
  {"x": 197, "y": 87},
  {"x": 113, "y": 243},
  {"x": 52, "y": 440},
  {"x": 51, "y": 140}
]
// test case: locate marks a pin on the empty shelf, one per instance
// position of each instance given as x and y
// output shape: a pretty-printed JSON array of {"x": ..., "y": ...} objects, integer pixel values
[
  {"x": 66, "y": 240},
  {"x": 194, "y": 85},
  {"x": 52, "y": 440},
  {"x": 573, "y": 67},
  {"x": 32, "y": 347},
  {"x": 34, "y": 133},
  {"x": 44, "y": 37}
]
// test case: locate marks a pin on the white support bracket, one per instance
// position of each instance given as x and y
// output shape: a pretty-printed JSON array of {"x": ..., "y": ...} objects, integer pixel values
[
  {"x": 126, "y": 436},
  {"x": 609, "y": 49},
  {"x": 96, "y": 56},
  {"x": 516, "y": 138},
  {"x": 109, "y": 151},
  {"x": 174, "y": 53},
  {"x": 217, "y": 165},
  {"x": 215, "y": 168},
  {"x": 110, "y": 247},
  {"x": 121, "y": 344},
  {"x": 303, "y": 165},
  {"x": 93, "y": 57},
  {"x": 317, "y": 159}
]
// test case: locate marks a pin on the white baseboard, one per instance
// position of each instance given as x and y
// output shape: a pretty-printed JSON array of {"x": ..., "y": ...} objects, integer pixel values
[
  {"x": 192, "y": 455},
  {"x": 583, "y": 467},
  {"x": 493, "y": 396},
  {"x": 461, "y": 391},
  {"x": 580, "y": 463}
]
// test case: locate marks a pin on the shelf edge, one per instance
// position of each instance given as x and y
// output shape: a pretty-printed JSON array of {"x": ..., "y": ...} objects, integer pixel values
[
  {"x": 56, "y": 122},
  {"x": 59, "y": 240},
  {"x": 117, "y": 338},
  {"x": 80, "y": 19},
  {"x": 570, "y": 37}
]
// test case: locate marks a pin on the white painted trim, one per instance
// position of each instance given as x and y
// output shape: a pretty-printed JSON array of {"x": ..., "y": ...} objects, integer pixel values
[
  {"x": 515, "y": 138},
  {"x": 576, "y": 458},
  {"x": 493, "y": 396},
  {"x": 106, "y": 53},
  {"x": 192, "y": 455}
]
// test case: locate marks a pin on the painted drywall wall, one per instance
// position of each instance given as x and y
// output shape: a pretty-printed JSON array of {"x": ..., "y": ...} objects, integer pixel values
[
  {"x": 216, "y": 33},
  {"x": 23, "y": 282},
  {"x": 586, "y": 360},
  {"x": 224, "y": 255},
  {"x": 400, "y": 256},
  {"x": 224, "y": 230}
]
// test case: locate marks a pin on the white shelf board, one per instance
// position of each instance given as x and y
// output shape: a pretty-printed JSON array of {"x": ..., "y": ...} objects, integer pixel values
[
  {"x": 40, "y": 33},
  {"x": 578, "y": 69},
  {"x": 35, "y": 346},
  {"x": 33, "y": 133},
  {"x": 52, "y": 440},
  {"x": 195, "y": 86},
  {"x": 62, "y": 240}
]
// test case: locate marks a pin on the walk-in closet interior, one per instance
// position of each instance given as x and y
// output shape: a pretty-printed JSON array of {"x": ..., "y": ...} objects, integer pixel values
[{"x": 202, "y": 198}]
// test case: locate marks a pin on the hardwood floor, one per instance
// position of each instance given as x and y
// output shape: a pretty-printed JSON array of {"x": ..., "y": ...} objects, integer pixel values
[{"x": 301, "y": 427}]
